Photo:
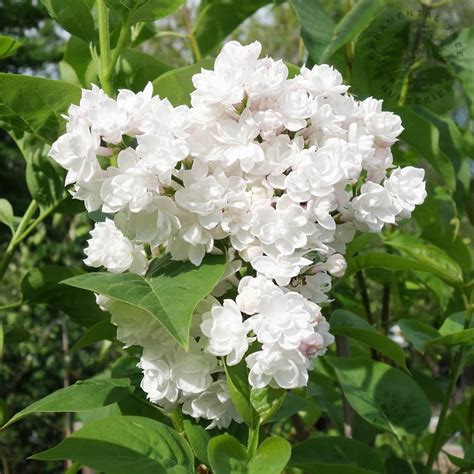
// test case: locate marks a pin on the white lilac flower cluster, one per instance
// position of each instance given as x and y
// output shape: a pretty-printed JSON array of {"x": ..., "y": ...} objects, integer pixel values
[{"x": 284, "y": 169}]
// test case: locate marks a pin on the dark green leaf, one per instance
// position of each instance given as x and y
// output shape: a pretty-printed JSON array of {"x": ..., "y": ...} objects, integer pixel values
[
  {"x": 355, "y": 21},
  {"x": 177, "y": 85},
  {"x": 345, "y": 323},
  {"x": 144, "y": 10},
  {"x": 219, "y": 18},
  {"x": 6, "y": 214},
  {"x": 82, "y": 396},
  {"x": 198, "y": 438},
  {"x": 271, "y": 457},
  {"x": 103, "y": 330},
  {"x": 35, "y": 105},
  {"x": 466, "y": 463},
  {"x": 75, "y": 17},
  {"x": 465, "y": 337},
  {"x": 170, "y": 292},
  {"x": 454, "y": 323},
  {"x": 317, "y": 27},
  {"x": 226, "y": 455},
  {"x": 8, "y": 46},
  {"x": 417, "y": 333},
  {"x": 335, "y": 454},
  {"x": 125, "y": 444},
  {"x": 41, "y": 286},
  {"x": 386, "y": 397}
]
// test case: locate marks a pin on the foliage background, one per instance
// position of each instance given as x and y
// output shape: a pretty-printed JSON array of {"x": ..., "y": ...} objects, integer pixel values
[{"x": 436, "y": 47}]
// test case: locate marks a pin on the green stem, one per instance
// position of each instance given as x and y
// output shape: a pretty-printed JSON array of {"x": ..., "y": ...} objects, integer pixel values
[
  {"x": 192, "y": 39},
  {"x": 252, "y": 443},
  {"x": 406, "y": 455},
  {"x": 176, "y": 418},
  {"x": 15, "y": 240},
  {"x": 124, "y": 31},
  {"x": 453, "y": 378},
  {"x": 104, "y": 43}
]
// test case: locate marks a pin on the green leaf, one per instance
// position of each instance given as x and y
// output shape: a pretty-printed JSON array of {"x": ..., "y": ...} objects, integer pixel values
[
  {"x": 266, "y": 402},
  {"x": 144, "y": 10},
  {"x": 424, "y": 137},
  {"x": 125, "y": 444},
  {"x": 8, "y": 46},
  {"x": 466, "y": 463},
  {"x": 334, "y": 455},
  {"x": 345, "y": 323},
  {"x": 460, "y": 53},
  {"x": 82, "y": 396},
  {"x": 226, "y": 455},
  {"x": 198, "y": 438},
  {"x": 169, "y": 293},
  {"x": 465, "y": 337},
  {"x": 103, "y": 330},
  {"x": 384, "y": 66},
  {"x": 41, "y": 286},
  {"x": 240, "y": 392},
  {"x": 136, "y": 69},
  {"x": 397, "y": 263},
  {"x": 355, "y": 21},
  {"x": 218, "y": 18},
  {"x": 176, "y": 85},
  {"x": 35, "y": 105},
  {"x": 271, "y": 457},
  {"x": 75, "y": 17},
  {"x": 428, "y": 254},
  {"x": 6, "y": 214},
  {"x": 317, "y": 27},
  {"x": 417, "y": 332},
  {"x": 384, "y": 396},
  {"x": 454, "y": 323}
]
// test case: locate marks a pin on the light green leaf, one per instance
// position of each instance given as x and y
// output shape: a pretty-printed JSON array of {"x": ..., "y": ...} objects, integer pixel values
[
  {"x": 454, "y": 323},
  {"x": 125, "y": 444},
  {"x": 351, "y": 24},
  {"x": 169, "y": 293},
  {"x": 35, "y": 105},
  {"x": 334, "y": 455},
  {"x": 41, "y": 286},
  {"x": 345, "y": 323},
  {"x": 271, "y": 457},
  {"x": 6, "y": 214},
  {"x": 176, "y": 85},
  {"x": 266, "y": 402},
  {"x": 75, "y": 17},
  {"x": 198, "y": 438},
  {"x": 417, "y": 332},
  {"x": 103, "y": 330},
  {"x": 144, "y": 10},
  {"x": 465, "y": 337},
  {"x": 217, "y": 19},
  {"x": 8, "y": 46},
  {"x": 428, "y": 254},
  {"x": 384, "y": 396},
  {"x": 398, "y": 263},
  {"x": 226, "y": 455},
  {"x": 82, "y": 396},
  {"x": 317, "y": 27},
  {"x": 240, "y": 392}
]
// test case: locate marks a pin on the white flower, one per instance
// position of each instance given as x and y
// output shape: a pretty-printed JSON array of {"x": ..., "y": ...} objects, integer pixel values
[
  {"x": 226, "y": 331},
  {"x": 296, "y": 106},
  {"x": 385, "y": 126},
  {"x": 374, "y": 207},
  {"x": 281, "y": 269},
  {"x": 284, "y": 227},
  {"x": 284, "y": 319},
  {"x": 278, "y": 368},
  {"x": 407, "y": 188},
  {"x": 214, "y": 404},
  {"x": 128, "y": 185},
  {"x": 267, "y": 79},
  {"x": 314, "y": 287},
  {"x": 336, "y": 265},
  {"x": 251, "y": 290},
  {"x": 321, "y": 79},
  {"x": 111, "y": 249},
  {"x": 316, "y": 343}
]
